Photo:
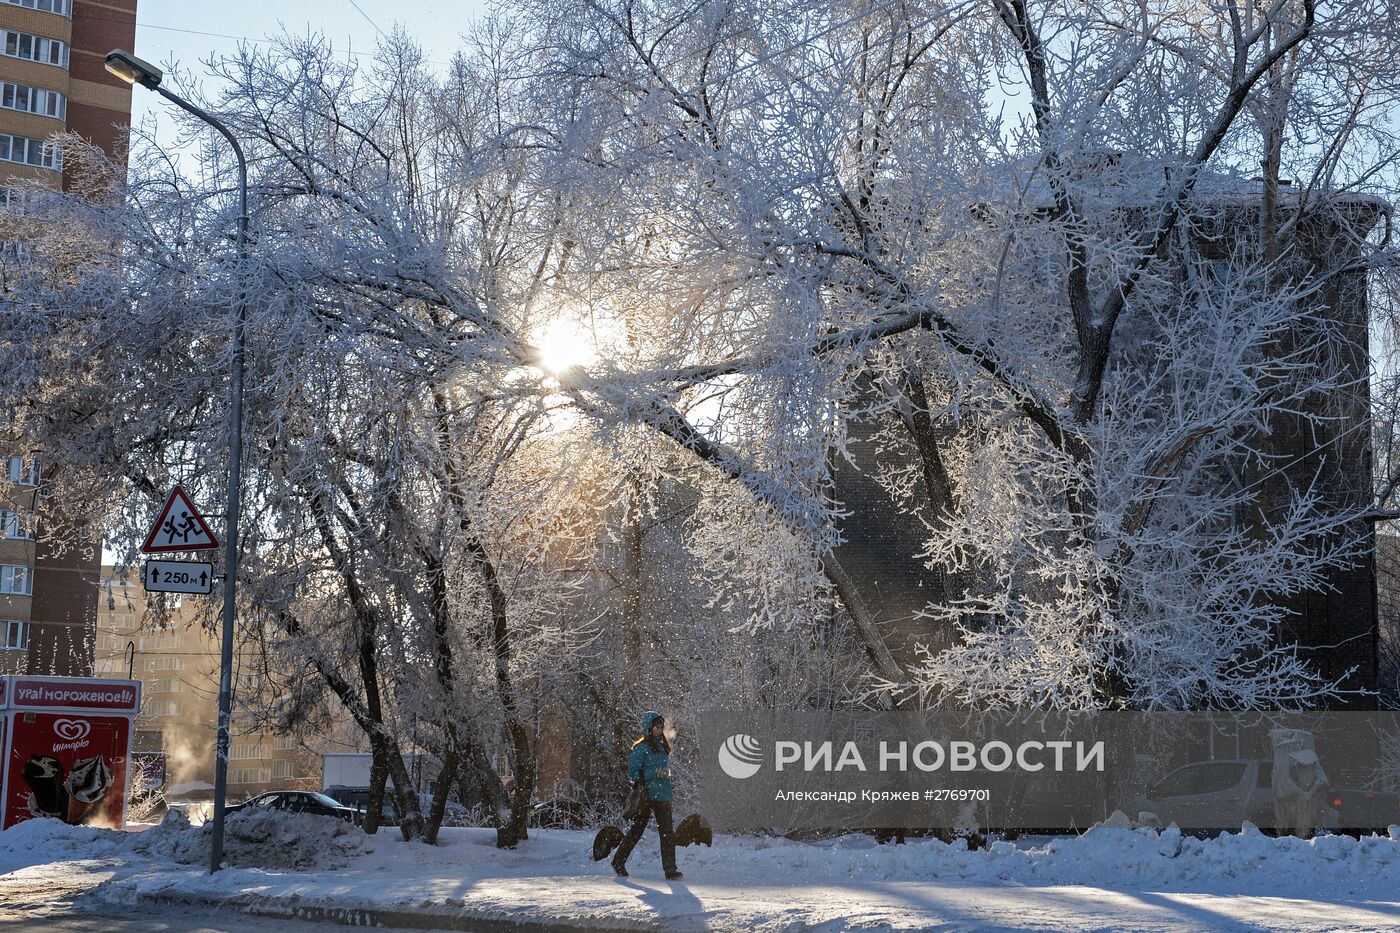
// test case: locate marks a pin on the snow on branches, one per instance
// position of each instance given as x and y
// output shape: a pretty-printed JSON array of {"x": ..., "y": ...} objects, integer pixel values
[{"x": 558, "y": 354}]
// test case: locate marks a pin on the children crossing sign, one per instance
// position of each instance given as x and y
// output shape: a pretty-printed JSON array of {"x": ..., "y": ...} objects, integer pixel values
[{"x": 179, "y": 527}]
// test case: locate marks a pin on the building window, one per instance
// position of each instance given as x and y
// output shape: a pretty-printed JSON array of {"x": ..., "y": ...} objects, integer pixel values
[
  {"x": 160, "y": 708},
  {"x": 282, "y": 769},
  {"x": 165, "y": 664},
  {"x": 237, "y": 751},
  {"x": 167, "y": 685},
  {"x": 15, "y": 526},
  {"x": 36, "y": 48},
  {"x": 28, "y": 151},
  {"x": 28, "y": 99},
  {"x": 284, "y": 743},
  {"x": 249, "y": 775},
  {"x": 16, "y": 635},
  {"x": 23, "y": 471},
  {"x": 61, "y": 7},
  {"x": 16, "y": 580}
]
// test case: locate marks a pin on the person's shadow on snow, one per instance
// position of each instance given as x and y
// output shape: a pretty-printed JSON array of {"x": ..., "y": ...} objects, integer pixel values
[{"x": 676, "y": 904}]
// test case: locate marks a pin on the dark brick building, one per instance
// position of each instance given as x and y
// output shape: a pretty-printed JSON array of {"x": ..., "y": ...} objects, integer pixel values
[{"x": 1335, "y": 626}]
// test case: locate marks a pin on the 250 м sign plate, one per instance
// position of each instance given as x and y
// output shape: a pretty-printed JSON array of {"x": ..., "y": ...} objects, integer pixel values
[{"x": 178, "y": 576}]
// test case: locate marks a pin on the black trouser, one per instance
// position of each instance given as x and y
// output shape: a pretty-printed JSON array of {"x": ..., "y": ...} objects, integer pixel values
[{"x": 662, "y": 809}]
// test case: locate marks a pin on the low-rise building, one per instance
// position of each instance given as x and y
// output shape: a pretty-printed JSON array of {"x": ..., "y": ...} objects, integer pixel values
[{"x": 162, "y": 641}]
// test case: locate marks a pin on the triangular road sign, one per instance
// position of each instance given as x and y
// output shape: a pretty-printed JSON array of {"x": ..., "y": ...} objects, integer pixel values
[{"x": 179, "y": 527}]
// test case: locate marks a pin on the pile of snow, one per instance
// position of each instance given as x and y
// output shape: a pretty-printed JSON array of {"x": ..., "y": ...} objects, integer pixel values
[
  {"x": 43, "y": 839},
  {"x": 254, "y": 837},
  {"x": 1112, "y": 877},
  {"x": 1114, "y": 854}
]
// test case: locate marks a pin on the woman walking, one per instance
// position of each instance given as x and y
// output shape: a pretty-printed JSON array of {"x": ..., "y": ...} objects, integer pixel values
[{"x": 650, "y": 764}]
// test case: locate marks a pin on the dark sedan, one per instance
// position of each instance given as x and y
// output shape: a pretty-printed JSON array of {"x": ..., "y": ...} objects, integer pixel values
[{"x": 300, "y": 801}]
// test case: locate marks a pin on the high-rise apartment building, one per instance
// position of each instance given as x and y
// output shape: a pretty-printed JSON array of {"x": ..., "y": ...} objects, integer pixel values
[{"x": 52, "y": 80}]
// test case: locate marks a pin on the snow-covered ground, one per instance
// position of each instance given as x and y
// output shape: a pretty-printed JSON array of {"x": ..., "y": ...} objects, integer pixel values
[{"x": 1108, "y": 879}]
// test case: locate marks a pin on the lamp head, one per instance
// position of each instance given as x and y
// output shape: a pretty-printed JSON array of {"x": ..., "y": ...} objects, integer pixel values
[{"x": 133, "y": 70}]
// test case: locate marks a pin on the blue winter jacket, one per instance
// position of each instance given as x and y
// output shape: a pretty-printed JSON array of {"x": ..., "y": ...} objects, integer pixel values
[{"x": 650, "y": 764}]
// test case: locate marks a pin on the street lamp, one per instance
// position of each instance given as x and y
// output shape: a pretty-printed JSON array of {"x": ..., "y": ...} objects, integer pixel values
[{"x": 135, "y": 71}]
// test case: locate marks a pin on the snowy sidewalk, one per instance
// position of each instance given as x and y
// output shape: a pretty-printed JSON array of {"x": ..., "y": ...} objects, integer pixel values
[{"x": 1109, "y": 879}]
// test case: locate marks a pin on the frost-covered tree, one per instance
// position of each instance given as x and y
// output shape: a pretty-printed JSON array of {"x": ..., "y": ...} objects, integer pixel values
[
  {"x": 402, "y": 513},
  {"x": 578, "y": 330},
  {"x": 422, "y": 508},
  {"x": 997, "y": 218}
]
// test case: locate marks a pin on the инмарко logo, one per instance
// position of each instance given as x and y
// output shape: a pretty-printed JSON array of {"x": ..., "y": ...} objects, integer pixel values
[
  {"x": 740, "y": 756},
  {"x": 71, "y": 730}
]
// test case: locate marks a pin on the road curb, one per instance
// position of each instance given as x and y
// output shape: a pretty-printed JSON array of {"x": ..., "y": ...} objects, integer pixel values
[{"x": 408, "y": 918}]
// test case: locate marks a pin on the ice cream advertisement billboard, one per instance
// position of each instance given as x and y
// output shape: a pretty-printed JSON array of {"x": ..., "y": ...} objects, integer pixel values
[{"x": 67, "y": 750}]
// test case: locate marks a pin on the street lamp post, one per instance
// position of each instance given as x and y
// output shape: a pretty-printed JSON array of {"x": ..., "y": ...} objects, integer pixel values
[{"x": 135, "y": 71}]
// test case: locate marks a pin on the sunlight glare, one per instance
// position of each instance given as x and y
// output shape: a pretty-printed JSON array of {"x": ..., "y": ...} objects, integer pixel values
[{"x": 564, "y": 343}]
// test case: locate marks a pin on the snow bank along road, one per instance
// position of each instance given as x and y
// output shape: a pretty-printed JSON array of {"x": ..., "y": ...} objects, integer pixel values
[{"x": 1108, "y": 879}]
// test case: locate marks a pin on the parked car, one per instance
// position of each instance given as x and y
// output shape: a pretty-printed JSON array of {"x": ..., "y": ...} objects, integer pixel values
[
  {"x": 354, "y": 797},
  {"x": 300, "y": 801},
  {"x": 1218, "y": 794},
  {"x": 357, "y": 798},
  {"x": 560, "y": 813},
  {"x": 1364, "y": 809},
  {"x": 1223, "y": 793}
]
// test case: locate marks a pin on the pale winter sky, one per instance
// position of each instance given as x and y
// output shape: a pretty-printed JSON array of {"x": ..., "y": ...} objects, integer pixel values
[{"x": 188, "y": 31}]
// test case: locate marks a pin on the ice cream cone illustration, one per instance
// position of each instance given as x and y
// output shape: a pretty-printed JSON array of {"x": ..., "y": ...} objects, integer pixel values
[
  {"x": 87, "y": 784},
  {"x": 48, "y": 795}
]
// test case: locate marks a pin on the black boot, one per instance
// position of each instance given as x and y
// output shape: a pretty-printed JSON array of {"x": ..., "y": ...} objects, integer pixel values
[
  {"x": 674, "y": 875},
  {"x": 620, "y": 868}
]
